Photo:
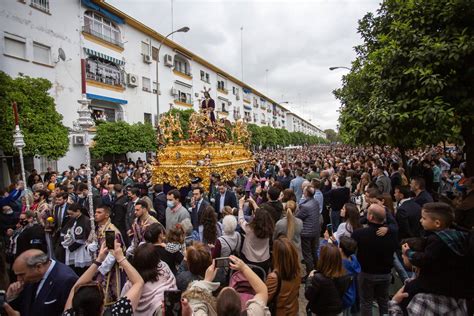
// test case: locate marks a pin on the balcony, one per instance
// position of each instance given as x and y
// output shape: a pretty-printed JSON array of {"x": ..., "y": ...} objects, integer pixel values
[
  {"x": 222, "y": 90},
  {"x": 103, "y": 39},
  {"x": 182, "y": 74},
  {"x": 106, "y": 82}
]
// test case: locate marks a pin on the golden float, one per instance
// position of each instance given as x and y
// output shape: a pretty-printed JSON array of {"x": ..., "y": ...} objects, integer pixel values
[{"x": 210, "y": 147}]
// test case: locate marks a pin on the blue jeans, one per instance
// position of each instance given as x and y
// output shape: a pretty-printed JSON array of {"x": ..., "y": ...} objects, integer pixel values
[
  {"x": 400, "y": 268},
  {"x": 373, "y": 287}
]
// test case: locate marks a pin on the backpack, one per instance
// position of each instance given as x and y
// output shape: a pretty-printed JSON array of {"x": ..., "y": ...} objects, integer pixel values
[{"x": 239, "y": 283}]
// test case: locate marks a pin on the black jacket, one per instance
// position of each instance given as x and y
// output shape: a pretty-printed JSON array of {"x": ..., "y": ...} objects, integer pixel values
[
  {"x": 375, "y": 253},
  {"x": 446, "y": 268},
  {"x": 229, "y": 200},
  {"x": 324, "y": 295},
  {"x": 159, "y": 204},
  {"x": 336, "y": 198},
  {"x": 423, "y": 197},
  {"x": 274, "y": 208},
  {"x": 408, "y": 218},
  {"x": 119, "y": 211}
]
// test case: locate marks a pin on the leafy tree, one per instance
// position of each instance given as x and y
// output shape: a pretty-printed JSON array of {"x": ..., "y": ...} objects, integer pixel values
[
  {"x": 41, "y": 124},
  {"x": 115, "y": 138},
  {"x": 412, "y": 82},
  {"x": 332, "y": 135}
]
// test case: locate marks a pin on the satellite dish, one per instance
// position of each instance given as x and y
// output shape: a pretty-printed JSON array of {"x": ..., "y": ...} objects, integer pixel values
[{"x": 61, "y": 54}]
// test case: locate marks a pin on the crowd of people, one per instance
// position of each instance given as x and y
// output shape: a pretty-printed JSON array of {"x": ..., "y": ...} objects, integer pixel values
[{"x": 340, "y": 221}]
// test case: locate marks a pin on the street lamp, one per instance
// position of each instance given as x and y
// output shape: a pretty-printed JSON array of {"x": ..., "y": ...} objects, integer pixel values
[
  {"x": 84, "y": 122},
  {"x": 19, "y": 144},
  {"x": 184, "y": 30},
  {"x": 339, "y": 67}
]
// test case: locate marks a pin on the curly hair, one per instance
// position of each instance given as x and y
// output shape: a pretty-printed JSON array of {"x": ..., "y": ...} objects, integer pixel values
[
  {"x": 262, "y": 224},
  {"x": 209, "y": 224}
]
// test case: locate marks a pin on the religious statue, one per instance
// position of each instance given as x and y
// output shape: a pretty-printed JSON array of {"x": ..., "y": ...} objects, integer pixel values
[{"x": 208, "y": 105}]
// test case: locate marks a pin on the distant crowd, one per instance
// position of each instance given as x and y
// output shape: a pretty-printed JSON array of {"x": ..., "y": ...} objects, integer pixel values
[{"x": 343, "y": 222}]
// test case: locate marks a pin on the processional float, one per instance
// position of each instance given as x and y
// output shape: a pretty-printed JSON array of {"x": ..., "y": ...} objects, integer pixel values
[{"x": 209, "y": 146}]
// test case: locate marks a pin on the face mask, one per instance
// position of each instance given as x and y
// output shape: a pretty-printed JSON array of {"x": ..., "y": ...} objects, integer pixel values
[{"x": 170, "y": 204}]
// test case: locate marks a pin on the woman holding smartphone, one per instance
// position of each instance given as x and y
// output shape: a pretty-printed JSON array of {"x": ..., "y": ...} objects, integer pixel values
[{"x": 87, "y": 297}]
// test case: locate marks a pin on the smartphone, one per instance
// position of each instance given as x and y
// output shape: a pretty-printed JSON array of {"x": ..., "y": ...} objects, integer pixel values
[
  {"x": 110, "y": 239},
  {"x": 172, "y": 303},
  {"x": 2, "y": 299},
  {"x": 247, "y": 195},
  {"x": 222, "y": 262},
  {"x": 329, "y": 229}
]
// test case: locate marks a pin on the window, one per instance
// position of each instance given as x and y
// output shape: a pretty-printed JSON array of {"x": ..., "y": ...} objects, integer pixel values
[
  {"x": 101, "y": 27},
  {"x": 154, "y": 87},
  {"x": 103, "y": 71},
  {"x": 204, "y": 76},
  {"x": 235, "y": 91},
  {"x": 145, "y": 49},
  {"x": 182, "y": 65},
  {"x": 183, "y": 93},
  {"x": 146, "y": 84},
  {"x": 41, "y": 53},
  {"x": 154, "y": 52},
  {"x": 221, "y": 83},
  {"x": 147, "y": 118},
  {"x": 15, "y": 46},
  {"x": 103, "y": 114},
  {"x": 41, "y": 4}
]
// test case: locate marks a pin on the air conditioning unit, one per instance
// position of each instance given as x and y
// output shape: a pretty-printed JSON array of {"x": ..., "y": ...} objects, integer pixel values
[
  {"x": 78, "y": 140},
  {"x": 196, "y": 95},
  {"x": 147, "y": 59},
  {"x": 168, "y": 60},
  {"x": 174, "y": 92},
  {"x": 132, "y": 80}
]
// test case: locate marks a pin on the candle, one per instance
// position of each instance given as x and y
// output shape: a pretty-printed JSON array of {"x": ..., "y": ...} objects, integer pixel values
[{"x": 15, "y": 112}]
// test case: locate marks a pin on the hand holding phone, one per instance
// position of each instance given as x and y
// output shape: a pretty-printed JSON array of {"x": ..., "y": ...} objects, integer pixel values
[
  {"x": 173, "y": 303},
  {"x": 329, "y": 229},
  {"x": 110, "y": 239},
  {"x": 222, "y": 262}
]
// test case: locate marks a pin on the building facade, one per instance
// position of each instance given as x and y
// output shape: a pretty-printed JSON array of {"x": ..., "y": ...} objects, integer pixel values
[{"x": 90, "y": 47}]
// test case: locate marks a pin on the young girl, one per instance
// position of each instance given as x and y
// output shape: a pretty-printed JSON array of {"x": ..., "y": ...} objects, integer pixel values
[
  {"x": 175, "y": 240},
  {"x": 326, "y": 286}
]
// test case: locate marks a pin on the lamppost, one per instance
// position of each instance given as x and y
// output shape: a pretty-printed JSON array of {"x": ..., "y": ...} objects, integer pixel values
[
  {"x": 183, "y": 29},
  {"x": 19, "y": 144},
  {"x": 85, "y": 122},
  {"x": 339, "y": 67}
]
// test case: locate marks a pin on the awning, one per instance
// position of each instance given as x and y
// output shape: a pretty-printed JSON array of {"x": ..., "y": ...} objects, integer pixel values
[
  {"x": 104, "y": 98},
  {"x": 104, "y": 12},
  {"x": 248, "y": 107},
  {"x": 245, "y": 90},
  {"x": 97, "y": 54}
]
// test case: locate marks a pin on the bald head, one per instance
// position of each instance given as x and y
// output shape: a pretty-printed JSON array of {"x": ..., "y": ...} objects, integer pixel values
[
  {"x": 376, "y": 214},
  {"x": 31, "y": 265}
]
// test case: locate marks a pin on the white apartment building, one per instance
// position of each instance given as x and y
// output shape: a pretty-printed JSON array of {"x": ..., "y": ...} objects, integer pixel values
[{"x": 91, "y": 47}]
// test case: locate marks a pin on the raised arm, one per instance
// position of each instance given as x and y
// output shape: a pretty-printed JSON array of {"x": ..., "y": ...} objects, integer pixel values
[{"x": 257, "y": 284}]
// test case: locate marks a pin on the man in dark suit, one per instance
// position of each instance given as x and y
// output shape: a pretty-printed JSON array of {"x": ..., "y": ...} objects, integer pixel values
[
  {"x": 198, "y": 205},
  {"x": 159, "y": 203},
  {"x": 43, "y": 285},
  {"x": 119, "y": 212},
  {"x": 224, "y": 197},
  {"x": 408, "y": 214},
  {"x": 273, "y": 206},
  {"x": 61, "y": 217},
  {"x": 395, "y": 177}
]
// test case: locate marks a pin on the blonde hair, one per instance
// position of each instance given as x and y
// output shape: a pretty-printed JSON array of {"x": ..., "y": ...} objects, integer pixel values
[{"x": 290, "y": 219}]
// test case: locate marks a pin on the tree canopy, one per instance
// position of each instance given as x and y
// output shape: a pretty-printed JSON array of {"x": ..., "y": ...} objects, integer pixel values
[
  {"x": 41, "y": 124},
  {"x": 115, "y": 138},
  {"x": 412, "y": 82}
]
